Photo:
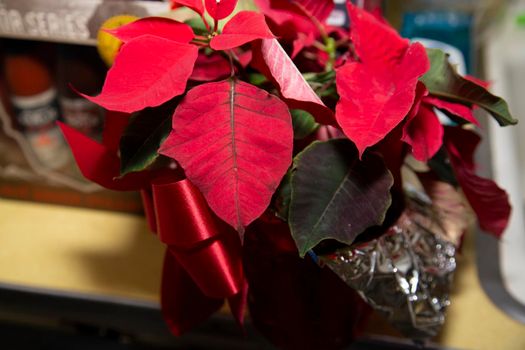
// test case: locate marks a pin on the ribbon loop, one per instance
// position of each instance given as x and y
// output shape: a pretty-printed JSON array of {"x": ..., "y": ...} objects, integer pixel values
[{"x": 207, "y": 249}]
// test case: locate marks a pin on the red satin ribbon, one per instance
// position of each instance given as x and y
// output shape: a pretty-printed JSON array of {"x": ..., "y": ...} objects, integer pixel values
[
  {"x": 211, "y": 254},
  {"x": 203, "y": 263}
]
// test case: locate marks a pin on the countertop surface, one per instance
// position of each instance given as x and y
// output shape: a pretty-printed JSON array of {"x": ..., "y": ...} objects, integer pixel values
[{"x": 103, "y": 253}]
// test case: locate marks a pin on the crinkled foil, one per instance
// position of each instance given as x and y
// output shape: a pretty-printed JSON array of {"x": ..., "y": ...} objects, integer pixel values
[{"x": 406, "y": 273}]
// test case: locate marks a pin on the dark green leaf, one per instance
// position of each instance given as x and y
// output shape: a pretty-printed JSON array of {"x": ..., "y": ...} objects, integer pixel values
[
  {"x": 442, "y": 81},
  {"x": 335, "y": 195},
  {"x": 283, "y": 196},
  {"x": 257, "y": 79},
  {"x": 440, "y": 165},
  {"x": 143, "y": 136},
  {"x": 303, "y": 123}
]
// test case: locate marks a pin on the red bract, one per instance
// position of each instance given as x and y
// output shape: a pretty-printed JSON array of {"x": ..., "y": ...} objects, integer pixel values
[
  {"x": 211, "y": 67},
  {"x": 271, "y": 59},
  {"x": 456, "y": 109},
  {"x": 375, "y": 42},
  {"x": 299, "y": 12},
  {"x": 374, "y": 101},
  {"x": 489, "y": 202},
  {"x": 100, "y": 162},
  {"x": 424, "y": 133},
  {"x": 423, "y": 130},
  {"x": 156, "y": 26},
  {"x": 234, "y": 141},
  {"x": 377, "y": 93},
  {"x": 294, "y": 20},
  {"x": 195, "y": 5},
  {"x": 148, "y": 71},
  {"x": 244, "y": 27},
  {"x": 319, "y": 9},
  {"x": 219, "y": 9},
  {"x": 478, "y": 81}
]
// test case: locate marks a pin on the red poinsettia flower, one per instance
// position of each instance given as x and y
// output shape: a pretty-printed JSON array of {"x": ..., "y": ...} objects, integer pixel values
[{"x": 242, "y": 167}]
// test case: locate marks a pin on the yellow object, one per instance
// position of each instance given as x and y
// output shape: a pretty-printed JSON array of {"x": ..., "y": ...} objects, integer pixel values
[
  {"x": 79, "y": 250},
  {"x": 107, "y": 45}
]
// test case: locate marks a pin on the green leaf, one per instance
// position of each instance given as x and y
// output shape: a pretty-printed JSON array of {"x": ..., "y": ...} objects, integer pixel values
[
  {"x": 197, "y": 25},
  {"x": 143, "y": 136},
  {"x": 303, "y": 123},
  {"x": 335, "y": 195},
  {"x": 283, "y": 196},
  {"x": 440, "y": 165},
  {"x": 443, "y": 81},
  {"x": 257, "y": 79},
  {"x": 322, "y": 77}
]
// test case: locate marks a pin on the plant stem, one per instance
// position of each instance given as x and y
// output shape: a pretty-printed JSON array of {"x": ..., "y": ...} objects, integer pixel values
[
  {"x": 216, "y": 26},
  {"x": 330, "y": 49},
  {"x": 205, "y": 23}
]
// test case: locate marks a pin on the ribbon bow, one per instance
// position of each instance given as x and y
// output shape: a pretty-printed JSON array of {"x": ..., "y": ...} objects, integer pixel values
[{"x": 203, "y": 261}]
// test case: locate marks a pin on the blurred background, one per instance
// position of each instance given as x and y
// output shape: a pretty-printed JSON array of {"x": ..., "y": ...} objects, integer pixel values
[{"x": 78, "y": 266}]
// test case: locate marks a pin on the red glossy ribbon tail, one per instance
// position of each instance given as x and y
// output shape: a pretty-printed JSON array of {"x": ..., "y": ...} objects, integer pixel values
[
  {"x": 238, "y": 304},
  {"x": 183, "y": 304}
]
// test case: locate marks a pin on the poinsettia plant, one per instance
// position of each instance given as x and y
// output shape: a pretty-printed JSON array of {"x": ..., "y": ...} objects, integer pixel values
[{"x": 273, "y": 114}]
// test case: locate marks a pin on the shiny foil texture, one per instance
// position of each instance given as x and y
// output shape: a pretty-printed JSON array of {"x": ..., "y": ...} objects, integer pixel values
[{"x": 405, "y": 274}]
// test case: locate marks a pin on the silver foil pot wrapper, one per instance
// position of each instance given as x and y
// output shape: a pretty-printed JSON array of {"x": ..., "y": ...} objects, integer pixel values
[{"x": 405, "y": 274}]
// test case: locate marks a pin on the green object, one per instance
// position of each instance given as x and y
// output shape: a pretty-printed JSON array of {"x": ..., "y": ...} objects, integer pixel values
[
  {"x": 197, "y": 25},
  {"x": 335, "y": 195},
  {"x": 283, "y": 196},
  {"x": 142, "y": 138},
  {"x": 440, "y": 164},
  {"x": 520, "y": 19},
  {"x": 257, "y": 79},
  {"x": 303, "y": 123},
  {"x": 442, "y": 81}
]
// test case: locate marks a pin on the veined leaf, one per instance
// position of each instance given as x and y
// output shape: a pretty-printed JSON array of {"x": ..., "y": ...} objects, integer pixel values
[
  {"x": 443, "y": 81},
  {"x": 295, "y": 89},
  {"x": 234, "y": 141},
  {"x": 142, "y": 138},
  {"x": 335, "y": 195}
]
